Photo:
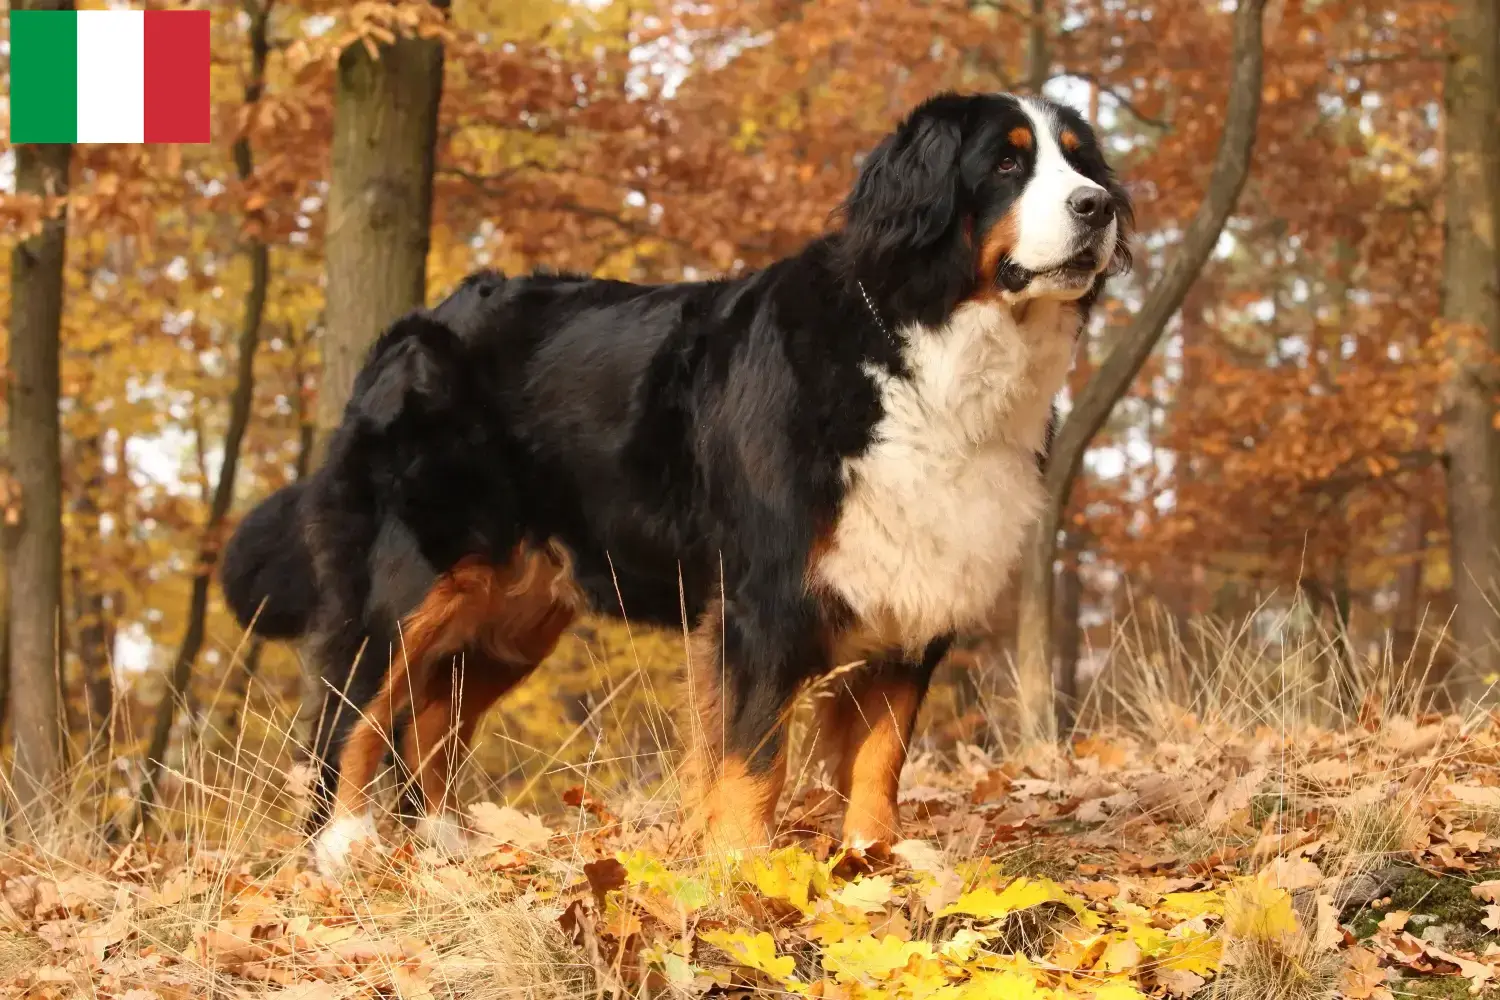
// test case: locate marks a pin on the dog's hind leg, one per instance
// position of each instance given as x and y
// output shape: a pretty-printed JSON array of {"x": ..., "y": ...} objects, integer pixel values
[
  {"x": 436, "y": 742},
  {"x": 502, "y": 620}
]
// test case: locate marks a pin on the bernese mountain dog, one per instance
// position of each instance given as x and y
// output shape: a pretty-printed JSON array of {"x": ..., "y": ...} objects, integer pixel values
[{"x": 831, "y": 460}]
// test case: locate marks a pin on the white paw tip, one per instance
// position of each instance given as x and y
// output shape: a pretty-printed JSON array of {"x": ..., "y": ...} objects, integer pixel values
[
  {"x": 445, "y": 833},
  {"x": 338, "y": 839}
]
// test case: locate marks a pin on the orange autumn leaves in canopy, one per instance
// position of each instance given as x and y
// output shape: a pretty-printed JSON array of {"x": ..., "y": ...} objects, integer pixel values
[{"x": 649, "y": 141}]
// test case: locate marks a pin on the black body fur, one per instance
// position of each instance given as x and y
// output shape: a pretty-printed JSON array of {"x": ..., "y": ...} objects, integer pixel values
[{"x": 683, "y": 441}]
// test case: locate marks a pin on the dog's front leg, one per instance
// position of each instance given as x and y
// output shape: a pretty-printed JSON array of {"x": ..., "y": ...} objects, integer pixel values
[
  {"x": 864, "y": 729},
  {"x": 745, "y": 667}
]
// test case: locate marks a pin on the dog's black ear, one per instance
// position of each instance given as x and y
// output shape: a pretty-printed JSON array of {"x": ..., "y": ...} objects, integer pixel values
[
  {"x": 906, "y": 197},
  {"x": 415, "y": 366},
  {"x": 1123, "y": 259}
]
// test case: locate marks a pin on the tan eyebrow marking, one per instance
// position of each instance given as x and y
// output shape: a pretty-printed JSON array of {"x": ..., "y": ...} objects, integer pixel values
[
  {"x": 1069, "y": 140},
  {"x": 1020, "y": 137}
]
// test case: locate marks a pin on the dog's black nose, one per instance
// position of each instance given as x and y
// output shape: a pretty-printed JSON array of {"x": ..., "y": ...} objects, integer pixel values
[{"x": 1092, "y": 206}]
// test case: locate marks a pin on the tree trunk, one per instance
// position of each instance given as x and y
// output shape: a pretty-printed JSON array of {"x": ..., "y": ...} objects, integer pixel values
[
  {"x": 1038, "y": 58},
  {"x": 379, "y": 204},
  {"x": 1471, "y": 306},
  {"x": 35, "y": 555},
  {"x": 90, "y": 615},
  {"x": 234, "y": 434},
  {"x": 1093, "y": 406},
  {"x": 239, "y": 687},
  {"x": 1069, "y": 640}
]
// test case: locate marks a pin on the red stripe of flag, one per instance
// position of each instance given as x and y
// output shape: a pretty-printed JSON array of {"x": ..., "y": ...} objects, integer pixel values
[{"x": 177, "y": 76}]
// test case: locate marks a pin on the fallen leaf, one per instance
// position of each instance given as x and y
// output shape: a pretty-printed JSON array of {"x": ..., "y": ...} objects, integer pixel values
[
  {"x": 505, "y": 825},
  {"x": 1395, "y": 920},
  {"x": 754, "y": 951},
  {"x": 1362, "y": 974},
  {"x": 1291, "y": 874},
  {"x": 867, "y": 894},
  {"x": 1181, "y": 983},
  {"x": 1488, "y": 891}
]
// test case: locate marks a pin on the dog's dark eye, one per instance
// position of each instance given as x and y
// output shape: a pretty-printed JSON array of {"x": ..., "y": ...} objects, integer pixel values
[{"x": 1009, "y": 165}]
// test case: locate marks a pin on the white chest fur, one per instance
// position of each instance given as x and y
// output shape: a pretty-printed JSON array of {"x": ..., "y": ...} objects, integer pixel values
[{"x": 937, "y": 508}]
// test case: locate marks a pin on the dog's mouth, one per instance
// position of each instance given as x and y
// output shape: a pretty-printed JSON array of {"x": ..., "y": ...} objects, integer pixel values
[
  {"x": 1085, "y": 260},
  {"x": 1077, "y": 270}
]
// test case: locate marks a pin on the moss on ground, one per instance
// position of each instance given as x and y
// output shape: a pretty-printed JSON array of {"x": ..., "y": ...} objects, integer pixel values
[
  {"x": 1432, "y": 988},
  {"x": 1422, "y": 893}
]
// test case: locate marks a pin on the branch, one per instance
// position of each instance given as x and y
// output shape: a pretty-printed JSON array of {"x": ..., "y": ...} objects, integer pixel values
[
  {"x": 1130, "y": 106},
  {"x": 1040, "y": 714},
  {"x": 234, "y": 436},
  {"x": 638, "y": 229},
  {"x": 1231, "y": 167}
]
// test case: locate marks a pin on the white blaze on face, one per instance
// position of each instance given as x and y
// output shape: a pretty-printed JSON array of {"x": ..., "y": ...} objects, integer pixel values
[{"x": 1048, "y": 232}]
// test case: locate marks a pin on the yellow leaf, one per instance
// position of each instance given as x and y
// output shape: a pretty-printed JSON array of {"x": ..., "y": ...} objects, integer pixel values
[
  {"x": 1118, "y": 989},
  {"x": 867, "y": 960},
  {"x": 866, "y": 895},
  {"x": 1198, "y": 953},
  {"x": 754, "y": 952},
  {"x": 1192, "y": 904},
  {"x": 1121, "y": 955},
  {"x": 790, "y": 874},
  {"x": 1022, "y": 894},
  {"x": 1256, "y": 911},
  {"x": 1002, "y": 986}
]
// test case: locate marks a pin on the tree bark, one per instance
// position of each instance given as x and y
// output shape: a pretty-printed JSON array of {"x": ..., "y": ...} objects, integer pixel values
[
  {"x": 379, "y": 204},
  {"x": 1069, "y": 638},
  {"x": 35, "y": 541},
  {"x": 240, "y": 402},
  {"x": 239, "y": 687},
  {"x": 91, "y": 627},
  {"x": 1038, "y": 57},
  {"x": 1471, "y": 307},
  {"x": 1092, "y": 407}
]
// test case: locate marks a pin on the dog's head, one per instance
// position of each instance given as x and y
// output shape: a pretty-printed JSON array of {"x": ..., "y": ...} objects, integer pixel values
[{"x": 985, "y": 195}]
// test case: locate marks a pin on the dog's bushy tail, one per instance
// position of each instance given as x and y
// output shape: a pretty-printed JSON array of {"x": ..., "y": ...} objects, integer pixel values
[{"x": 267, "y": 570}]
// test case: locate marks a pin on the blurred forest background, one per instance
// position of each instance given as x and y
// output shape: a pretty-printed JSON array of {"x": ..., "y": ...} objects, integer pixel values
[{"x": 1306, "y": 460}]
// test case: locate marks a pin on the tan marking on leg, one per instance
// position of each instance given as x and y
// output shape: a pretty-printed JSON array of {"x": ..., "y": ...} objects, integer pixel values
[
  {"x": 737, "y": 809},
  {"x": 512, "y": 614},
  {"x": 725, "y": 804},
  {"x": 368, "y": 739},
  {"x": 865, "y": 729},
  {"x": 441, "y": 731}
]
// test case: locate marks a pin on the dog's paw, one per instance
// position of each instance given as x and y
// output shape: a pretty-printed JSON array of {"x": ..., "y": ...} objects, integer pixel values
[
  {"x": 444, "y": 833},
  {"x": 342, "y": 839}
]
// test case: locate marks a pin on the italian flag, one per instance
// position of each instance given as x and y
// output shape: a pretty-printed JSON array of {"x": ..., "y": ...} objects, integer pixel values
[{"x": 109, "y": 76}]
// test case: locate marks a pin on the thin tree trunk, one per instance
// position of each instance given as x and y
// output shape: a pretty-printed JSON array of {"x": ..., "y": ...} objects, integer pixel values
[
  {"x": 1093, "y": 406},
  {"x": 91, "y": 628},
  {"x": 259, "y": 254},
  {"x": 35, "y": 541},
  {"x": 1038, "y": 58},
  {"x": 250, "y": 669},
  {"x": 1471, "y": 305},
  {"x": 4, "y": 644},
  {"x": 1069, "y": 637},
  {"x": 379, "y": 204}
]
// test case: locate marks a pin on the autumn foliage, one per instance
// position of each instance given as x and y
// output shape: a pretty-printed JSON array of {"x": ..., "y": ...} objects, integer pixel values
[{"x": 1271, "y": 499}]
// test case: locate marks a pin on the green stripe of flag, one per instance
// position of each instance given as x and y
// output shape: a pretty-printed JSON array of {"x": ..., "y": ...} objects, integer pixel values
[{"x": 43, "y": 76}]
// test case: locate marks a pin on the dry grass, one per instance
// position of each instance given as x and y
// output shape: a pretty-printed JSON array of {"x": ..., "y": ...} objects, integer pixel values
[{"x": 1209, "y": 749}]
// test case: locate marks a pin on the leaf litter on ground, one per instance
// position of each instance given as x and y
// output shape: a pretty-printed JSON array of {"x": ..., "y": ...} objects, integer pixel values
[{"x": 1117, "y": 870}]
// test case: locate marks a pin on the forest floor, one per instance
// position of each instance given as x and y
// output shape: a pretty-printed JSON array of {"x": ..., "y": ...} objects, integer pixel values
[{"x": 1212, "y": 860}]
